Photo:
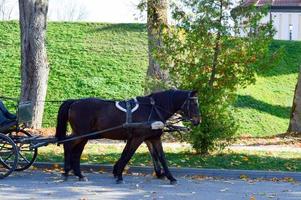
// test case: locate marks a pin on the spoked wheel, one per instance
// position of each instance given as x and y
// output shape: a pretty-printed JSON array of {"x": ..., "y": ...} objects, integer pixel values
[
  {"x": 27, "y": 156},
  {"x": 8, "y": 156}
]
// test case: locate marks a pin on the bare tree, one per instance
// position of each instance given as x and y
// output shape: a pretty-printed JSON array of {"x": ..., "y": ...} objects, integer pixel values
[
  {"x": 34, "y": 65},
  {"x": 156, "y": 21},
  {"x": 69, "y": 10},
  {"x": 295, "y": 120}
]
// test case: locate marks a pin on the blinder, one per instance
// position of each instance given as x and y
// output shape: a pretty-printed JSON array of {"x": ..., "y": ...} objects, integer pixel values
[{"x": 186, "y": 106}]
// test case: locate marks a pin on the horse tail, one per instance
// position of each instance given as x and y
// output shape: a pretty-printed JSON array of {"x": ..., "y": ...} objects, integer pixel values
[{"x": 62, "y": 119}]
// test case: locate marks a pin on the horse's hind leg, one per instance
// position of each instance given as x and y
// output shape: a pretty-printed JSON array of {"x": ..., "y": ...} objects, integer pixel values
[
  {"x": 129, "y": 150},
  {"x": 155, "y": 159},
  {"x": 157, "y": 144},
  {"x": 77, "y": 151},
  {"x": 67, "y": 159}
]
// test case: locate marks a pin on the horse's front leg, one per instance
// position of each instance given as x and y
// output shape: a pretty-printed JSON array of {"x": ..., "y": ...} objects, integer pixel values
[
  {"x": 127, "y": 153},
  {"x": 157, "y": 144}
]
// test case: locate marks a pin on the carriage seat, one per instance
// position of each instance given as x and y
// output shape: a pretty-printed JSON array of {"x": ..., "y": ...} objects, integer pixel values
[
  {"x": 7, "y": 126},
  {"x": 7, "y": 120}
]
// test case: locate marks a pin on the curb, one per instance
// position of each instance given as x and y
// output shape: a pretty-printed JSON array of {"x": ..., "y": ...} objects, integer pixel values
[{"x": 218, "y": 173}]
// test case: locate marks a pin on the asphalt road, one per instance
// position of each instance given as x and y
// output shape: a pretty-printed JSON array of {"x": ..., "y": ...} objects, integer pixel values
[{"x": 49, "y": 185}]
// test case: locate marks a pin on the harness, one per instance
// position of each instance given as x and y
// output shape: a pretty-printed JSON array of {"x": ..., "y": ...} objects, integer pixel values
[
  {"x": 170, "y": 126},
  {"x": 129, "y": 107},
  {"x": 132, "y": 105}
]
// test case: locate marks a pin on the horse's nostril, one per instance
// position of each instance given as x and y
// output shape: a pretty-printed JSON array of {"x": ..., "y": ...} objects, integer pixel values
[{"x": 196, "y": 121}]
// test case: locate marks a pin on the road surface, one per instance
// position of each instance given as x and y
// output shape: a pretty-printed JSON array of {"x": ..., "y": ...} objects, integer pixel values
[{"x": 49, "y": 185}]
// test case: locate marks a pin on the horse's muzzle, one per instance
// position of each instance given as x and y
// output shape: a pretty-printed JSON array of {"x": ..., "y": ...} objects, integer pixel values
[{"x": 196, "y": 121}]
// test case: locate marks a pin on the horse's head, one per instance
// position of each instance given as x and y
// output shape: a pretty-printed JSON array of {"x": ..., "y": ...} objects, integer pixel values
[{"x": 190, "y": 108}]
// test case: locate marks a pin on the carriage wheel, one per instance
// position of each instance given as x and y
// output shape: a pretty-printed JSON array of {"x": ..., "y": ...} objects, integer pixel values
[
  {"x": 8, "y": 156},
  {"x": 27, "y": 156}
]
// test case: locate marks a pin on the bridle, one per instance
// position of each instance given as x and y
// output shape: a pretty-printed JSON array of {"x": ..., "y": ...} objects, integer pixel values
[{"x": 184, "y": 108}]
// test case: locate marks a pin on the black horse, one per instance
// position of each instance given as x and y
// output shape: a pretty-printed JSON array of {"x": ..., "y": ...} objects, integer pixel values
[{"x": 92, "y": 114}]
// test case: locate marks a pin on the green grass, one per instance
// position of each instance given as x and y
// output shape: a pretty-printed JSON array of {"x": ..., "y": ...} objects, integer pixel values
[
  {"x": 264, "y": 108},
  {"x": 183, "y": 157},
  {"x": 86, "y": 60},
  {"x": 110, "y": 61}
]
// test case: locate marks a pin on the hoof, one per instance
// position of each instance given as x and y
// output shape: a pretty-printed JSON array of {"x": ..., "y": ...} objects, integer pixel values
[
  {"x": 65, "y": 177},
  {"x": 160, "y": 176},
  {"x": 119, "y": 181},
  {"x": 83, "y": 179},
  {"x": 173, "y": 182}
]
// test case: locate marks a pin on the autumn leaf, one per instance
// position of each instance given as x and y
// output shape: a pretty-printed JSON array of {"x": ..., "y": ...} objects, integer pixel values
[
  {"x": 252, "y": 197},
  {"x": 55, "y": 166},
  {"x": 243, "y": 177},
  {"x": 245, "y": 158}
]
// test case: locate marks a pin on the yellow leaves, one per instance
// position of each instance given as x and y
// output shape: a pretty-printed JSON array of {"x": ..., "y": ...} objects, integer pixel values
[
  {"x": 243, "y": 177},
  {"x": 252, "y": 197},
  {"x": 56, "y": 166},
  {"x": 289, "y": 179},
  {"x": 290, "y": 166},
  {"x": 33, "y": 168},
  {"x": 85, "y": 157},
  {"x": 199, "y": 177},
  {"x": 245, "y": 158},
  {"x": 101, "y": 170},
  {"x": 182, "y": 35},
  {"x": 285, "y": 179}
]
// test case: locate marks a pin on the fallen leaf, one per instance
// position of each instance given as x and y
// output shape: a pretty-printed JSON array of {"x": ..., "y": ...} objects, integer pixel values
[
  {"x": 224, "y": 190},
  {"x": 243, "y": 177},
  {"x": 245, "y": 158},
  {"x": 252, "y": 198}
]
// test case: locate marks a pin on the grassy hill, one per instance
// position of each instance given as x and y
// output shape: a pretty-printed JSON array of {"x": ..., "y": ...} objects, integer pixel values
[
  {"x": 264, "y": 108},
  {"x": 110, "y": 61},
  {"x": 86, "y": 59}
]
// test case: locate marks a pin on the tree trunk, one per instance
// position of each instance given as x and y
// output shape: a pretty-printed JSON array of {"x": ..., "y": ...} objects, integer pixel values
[
  {"x": 156, "y": 20},
  {"x": 34, "y": 65},
  {"x": 216, "y": 47},
  {"x": 295, "y": 120}
]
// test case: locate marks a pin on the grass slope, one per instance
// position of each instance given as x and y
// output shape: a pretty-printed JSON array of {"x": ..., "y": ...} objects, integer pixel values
[
  {"x": 264, "y": 108},
  {"x": 86, "y": 59},
  {"x": 110, "y": 61}
]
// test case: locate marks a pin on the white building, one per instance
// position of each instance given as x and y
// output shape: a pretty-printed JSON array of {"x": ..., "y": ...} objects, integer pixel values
[{"x": 286, "y": 15}]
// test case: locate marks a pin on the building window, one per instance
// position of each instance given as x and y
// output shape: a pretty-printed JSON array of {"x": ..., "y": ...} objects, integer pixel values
[{"x": 291, "y": 31}]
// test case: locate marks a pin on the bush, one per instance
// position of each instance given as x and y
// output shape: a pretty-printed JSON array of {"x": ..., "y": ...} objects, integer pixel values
[
  {"x": 205, "y": 53},
  {"x": 218, "y": 124}
]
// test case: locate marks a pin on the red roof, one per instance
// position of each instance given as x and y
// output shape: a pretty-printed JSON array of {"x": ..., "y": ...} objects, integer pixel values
[{"x": 273, "y": 2}]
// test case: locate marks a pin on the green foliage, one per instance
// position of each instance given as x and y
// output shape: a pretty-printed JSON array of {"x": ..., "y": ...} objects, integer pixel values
[
  {"x": 218, "y": 124},
  {"x": 119, "y": 62},
  {"x": 204, "y": 52},
  {"x": 86, "y": 60},
  {"x": 263, "y": 109}
]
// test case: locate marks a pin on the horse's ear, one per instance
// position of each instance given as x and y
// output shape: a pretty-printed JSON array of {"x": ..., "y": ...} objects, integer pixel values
[{"x": 194, "y": 93}]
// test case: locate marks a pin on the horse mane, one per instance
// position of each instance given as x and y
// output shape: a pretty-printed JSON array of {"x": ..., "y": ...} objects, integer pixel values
[{"x": 161, "y": 92}]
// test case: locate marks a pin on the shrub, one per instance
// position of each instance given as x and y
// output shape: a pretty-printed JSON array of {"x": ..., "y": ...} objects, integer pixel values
[{"x": 205, "y": 52}]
